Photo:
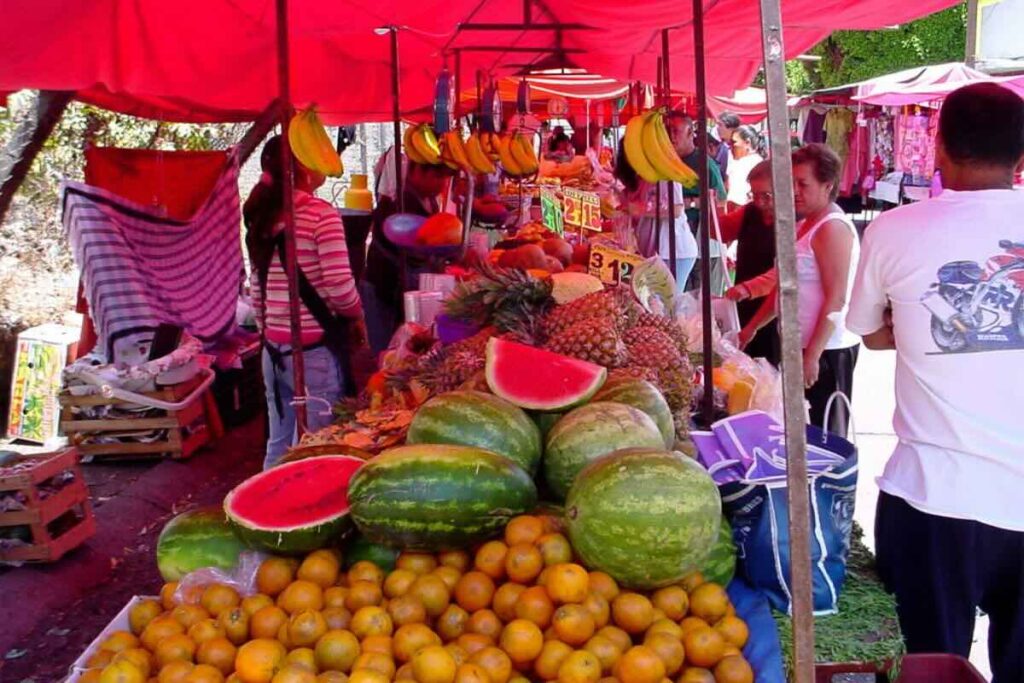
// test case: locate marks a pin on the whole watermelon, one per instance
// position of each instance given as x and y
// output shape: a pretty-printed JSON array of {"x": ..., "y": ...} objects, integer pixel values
[
  {"x": 473, "y": 418},
  {"x": 545, "y": 421},
  {"x": 196, "y": 539},
  {"x": 645, "y": 516},
  {"x": 720, "y": 566},
  {"x": 645, "y": 397},
  {"x": 359, "y": 549},
  {"x": 587, "y": 433}
]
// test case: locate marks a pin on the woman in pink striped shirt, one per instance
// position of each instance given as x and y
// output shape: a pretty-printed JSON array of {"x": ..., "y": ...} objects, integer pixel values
[{"x": 331, "y": 313}]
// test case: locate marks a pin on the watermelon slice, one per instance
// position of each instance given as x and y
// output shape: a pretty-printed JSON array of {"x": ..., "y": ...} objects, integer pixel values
[
  {"x": 295, "y": 507},
  {"x": 536, "y": 379}
]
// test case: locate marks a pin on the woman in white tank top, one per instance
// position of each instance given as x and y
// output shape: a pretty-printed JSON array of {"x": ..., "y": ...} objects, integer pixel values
[{"x": 827, "y": 252}]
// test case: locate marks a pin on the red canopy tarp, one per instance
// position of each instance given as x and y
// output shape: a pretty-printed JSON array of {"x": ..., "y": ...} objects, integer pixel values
[
  {"x": 927, "y": 84},
  {"x": 216, "y": 60}
]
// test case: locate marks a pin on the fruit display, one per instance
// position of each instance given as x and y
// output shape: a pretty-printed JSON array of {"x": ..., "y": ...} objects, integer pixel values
[
  {"x": 651, "y": 153},
  {"x": 515, "y": 609},
  {"x": 421, "y": 145},
  {"x": 540, "y": 380},
  {"x": 646, "y": 517},
  {"x": 294, "y": 507},
  {"x": 646, "y": 398},
  {"x": 720, "y": 565},
  {"x": 516, "y": 154},
  {"x": 195, "y": 539},
  {"x": 440, "y": 230},
  {"x": 310, "y": 144}
]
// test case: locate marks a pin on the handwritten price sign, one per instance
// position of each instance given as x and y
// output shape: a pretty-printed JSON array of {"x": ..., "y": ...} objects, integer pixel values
[
  {"x": 582, "y": 209},
  {"x": 613, "y": 266},
  {"x": 551, "y": 211}
]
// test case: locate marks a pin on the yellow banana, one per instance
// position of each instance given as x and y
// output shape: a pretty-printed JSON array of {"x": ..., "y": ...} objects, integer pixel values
[
  {"x": 653, "y": 148},
  {"x": 426, "y": 144},
  {"x": 410, "y": 146},
  {"x": 487, "y": 143},
  {"x": 633, "y": 145},
  {"x": 312, "y": 146},
  {"x": 477, "y": 157},
  {"x": 678, "y": 170},
  {"x": 453, "y": 142},
  {"x": 508, "y": 162},
  {"x": 522, "y": 150}
]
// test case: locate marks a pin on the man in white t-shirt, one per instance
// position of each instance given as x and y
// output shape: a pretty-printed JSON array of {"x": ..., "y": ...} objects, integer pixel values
[{"x": 942, "y": 282}]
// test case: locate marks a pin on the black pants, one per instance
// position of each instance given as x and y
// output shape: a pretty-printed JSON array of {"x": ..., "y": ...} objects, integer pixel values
[
  {"x": 941, "y": 570},
  {"x": 835, "y": 373}
]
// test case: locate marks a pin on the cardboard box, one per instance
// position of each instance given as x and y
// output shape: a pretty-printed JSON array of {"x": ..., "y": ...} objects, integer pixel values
[
  {"x": 118, "y": 623},
  {"x": 42, "y": 352}
]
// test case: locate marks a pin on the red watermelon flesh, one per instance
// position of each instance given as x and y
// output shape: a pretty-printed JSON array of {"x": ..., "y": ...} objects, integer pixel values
[{"x": 536, "y": 379}]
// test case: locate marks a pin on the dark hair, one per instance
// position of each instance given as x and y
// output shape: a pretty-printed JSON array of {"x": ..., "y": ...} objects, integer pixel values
[
  {"x": 436, "y": 169},
  {"x": 262, "y": 208},
  {"x": 825, "y": 164},
  {"x": 624, "y": 172},
  {"x": 729, "y": 120},
  {"x": 751, "y": 137},
  {"x": 677, "y": 115},
  {"x": 983, "y": 123},
  {"x": 762, "y": 171}
]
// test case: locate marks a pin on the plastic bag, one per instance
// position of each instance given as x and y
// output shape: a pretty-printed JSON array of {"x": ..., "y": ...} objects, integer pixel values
[{"x": 242, "y": 577}]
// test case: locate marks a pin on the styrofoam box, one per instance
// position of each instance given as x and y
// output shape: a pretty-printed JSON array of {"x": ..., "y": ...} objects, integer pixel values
[{"x": 118, "y": 623}]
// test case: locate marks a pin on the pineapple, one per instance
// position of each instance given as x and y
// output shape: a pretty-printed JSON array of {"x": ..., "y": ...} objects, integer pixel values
[
  {"x": 616, "y": 304},
  {"x": 595, "y": 340},
  {"x": 665, "y": 325},
  {"x": 507, "y": 298},
  {"x": 448, "y": 367},
  {"x": 673, "y": 369}
]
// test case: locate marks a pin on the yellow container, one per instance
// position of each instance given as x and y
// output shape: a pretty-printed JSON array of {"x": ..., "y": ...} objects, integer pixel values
[{"x": 357, "y": 197}]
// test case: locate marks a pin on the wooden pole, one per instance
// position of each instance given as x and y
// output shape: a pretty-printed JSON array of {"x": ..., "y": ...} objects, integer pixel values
[
  {"x": 257, "y": 131},
  {"x": 288, "y": 211},
  {"x": 666, "y": 90},
  {"x": 971, "y": 56},
  {"x": 704, "y": 205},
  {"x": 789, "y": 332}
]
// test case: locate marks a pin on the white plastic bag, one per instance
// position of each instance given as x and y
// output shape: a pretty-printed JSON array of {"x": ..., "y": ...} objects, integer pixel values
[{"x": 242, "y": 577}]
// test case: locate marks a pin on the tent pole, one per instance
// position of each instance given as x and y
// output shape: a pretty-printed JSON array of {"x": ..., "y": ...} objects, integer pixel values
[
  {"x": 457, "y": 108},
  {"x": 704, "y": 206},
  {"x": 258, "y": 131},
  {"x": 792, "y": 358},
  {"x": 666, "y": 91},
  {"x": 657, "y": 185},
  {"x": 288, "y": 210},
  {"x": 396, "y": 112}
]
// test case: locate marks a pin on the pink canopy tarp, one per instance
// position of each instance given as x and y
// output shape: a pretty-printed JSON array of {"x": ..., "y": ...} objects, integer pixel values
[
  {"x": 919, "y": 85},
  {"x": 216, "y": 60}
]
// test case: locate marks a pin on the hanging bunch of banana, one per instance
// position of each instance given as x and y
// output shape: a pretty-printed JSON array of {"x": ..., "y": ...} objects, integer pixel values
[
  {"x": 478, "y": 156},
  {"x": 515, "y": 151},
  {"x": 421, "y": 146},
  {"x": 310, "y": 144},
  {"x": 651, "y": 153},
  {"x": 453, "y": 152}
]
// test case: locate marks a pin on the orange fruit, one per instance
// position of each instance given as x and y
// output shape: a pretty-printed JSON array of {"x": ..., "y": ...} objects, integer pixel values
[
  {"x": 365, "y": 570},
  {"x": 410, "y": 639},
  {"x": 669, "y": 648},
  {"x": 452, "y": 623},
  {"x": 523, "y": 563},
  {"x": 267, "y": 622},
  {"x": 505, "y": 598},
  {"x": 380, "y": 644},
  {"x": 604, "y": 585},
  {"x": 218, "y": 653},
  {"x": 282, "y": 637},
  {"x": 474, "y": 642},
  {"x": 404, "y": 673},
  {"x": 690, "y": 582},
  {"x": 167, "y": 592},
  {"x": 554, "y": 549},
  {"x": 217, "y": 597},
  {"x": 118, "y": 641},
  {"x": 573, "y": 624},
  {"x": 292, "y": 673},
  {"x": 704, "y": 647},
  {"x": 542, "y": 580},
  {"x": 485, "y": 622},
  {"x": 632, "y": 612},
  {"x": 187, "y": 615},
  {"x": 337, "y": 617},
  {"x": 522, "y": 641},
  {"x": 471, "y": 673},
  {"x": 156, "y": 630},
  {"x": 142, "y": 613},
  {"x": 729, "y": 650},
  {"x": 580, "y": 667},
  {"x": 535, "y": 605},
  {"x": 204, "y": 673},
  {"x": 434, "y": 664},
  {"x": 274, "y": 575},
  {"x": 235, "y": 623},
  {"x": 205, "y": 630},
  {"x": 458, "y": 559},
  {"x": 253, "y": 603},
  {"x": 523, "y": 529},
  {"x": 673, "y": 601},
  {"x": 335, "y": 596},
  {"x": 550, "y": 659},
  {"x": 175, "y": 672},
  {"x": 458, "y": 654},
  {"x": 665, "y": 626},
  {"x": 690, "y": 623},
  {"x": 363, "y": 594},
  {"x": 138, "y": 656},
  {"x": 474, "y": 591},
  {"x": 417, "y": 563},
  {"x": 606, "y": 651},
  {"x": 568, "y": 583},
  {"x": 320, "y": 567},
  {"x": 695, "y": 674},
  {"x": 496, "y": 663},
  {"x": 640, "y": 665},
  {"x": 336, "y": 650},
  {"x": 368, "y": 676},
  {"x": 734, "y": 630},
  {"x": 490, "y": 559},
  {"x": 709, "y": 601},
  {"x": 406, "y": 609},
  {"x": 617, "y": 636},
  {"x": 450, "y": 576},
  {"x": 302, "y": 656},
  {"x": 599, "y": 609},
  {"x": 305, "y": 628},
  {"x": 301, "y": 595},
  {"x": 398, "y": 582},
  {"x": 174, "y": 647},
  {"x": 371, "y": 621},
  {"x": 734, "y": 670},
  {"x": 376, "y": 661},
  {"x": 432, "y": 592},
  {"x": 121, "y": 672},
  {"x": 333, "y": 677}
]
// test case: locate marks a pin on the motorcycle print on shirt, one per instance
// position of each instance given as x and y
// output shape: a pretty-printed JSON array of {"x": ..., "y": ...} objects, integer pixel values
[{"x": 979, "y": 308}]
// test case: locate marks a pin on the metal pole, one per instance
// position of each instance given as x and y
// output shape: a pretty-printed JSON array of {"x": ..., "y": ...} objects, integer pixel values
[
  {"x": 792, "y": 357},
  {"x": 288, "y": 210},
  {"x": 396, "y": 112},
  {"x": 971, "y": 56},
  {"x": 704, "y": 205},
  {"x": 458, "y": 87},
  {"x": 657, "y": 185},
  {"x": 666, "y": 90}
]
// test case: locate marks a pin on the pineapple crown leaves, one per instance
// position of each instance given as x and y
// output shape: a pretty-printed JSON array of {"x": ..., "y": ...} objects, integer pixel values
[{"x": 501, "y": 296}]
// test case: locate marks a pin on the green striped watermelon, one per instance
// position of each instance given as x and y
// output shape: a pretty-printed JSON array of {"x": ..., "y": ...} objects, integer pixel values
[
  {"x": 473, "y": 418},
  {"x": 720, "y": 565},
  {"x": 430, "y": 497},
  {"x": 643, "y": 396},
  {"x": 359, "y": 549},
  {"x": 545, "y": 421},
  {"x": 645, "y": 516},
  {"x": 587, "y": 433},
  {"x": 536, "y": 379},
  {"x": 295, "y": 507},
  {"x": 195, "y": 539}
]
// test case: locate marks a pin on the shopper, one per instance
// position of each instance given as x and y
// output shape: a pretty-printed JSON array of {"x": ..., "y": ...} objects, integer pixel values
[
  {"x": 331, "y": 315},
  {"x": 950, "y": 526},
  {"x": 827, "y": 253},
  {"x": 745, "y": 156},
  {"x": 725, "y": 126}
]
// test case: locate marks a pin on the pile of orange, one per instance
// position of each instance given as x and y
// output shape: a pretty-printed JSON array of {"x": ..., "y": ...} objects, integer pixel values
[{"x": 517, "y": 610}]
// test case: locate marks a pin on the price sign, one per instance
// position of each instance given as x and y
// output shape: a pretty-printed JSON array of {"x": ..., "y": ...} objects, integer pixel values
[
  {"x": 613, "y": 266},
  {"x": 582, "y": 209},
  {"x": 551, "y": 211}
]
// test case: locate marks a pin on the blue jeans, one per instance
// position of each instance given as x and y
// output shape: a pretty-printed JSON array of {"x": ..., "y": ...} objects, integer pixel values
[
  {"x": 323, "y": 380},
  {"x": 381, "y": 318},
  {"x": 682, "y": 271}
]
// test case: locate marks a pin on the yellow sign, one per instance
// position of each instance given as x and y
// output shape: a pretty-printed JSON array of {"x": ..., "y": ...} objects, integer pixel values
[
  {"x": 582, "y": 209},
  {"x": 613, "y": 266}
]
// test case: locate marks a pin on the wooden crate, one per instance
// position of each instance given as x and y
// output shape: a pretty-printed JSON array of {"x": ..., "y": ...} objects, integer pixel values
[
  {"x": 48, "y": 543},
  {"x": 188, "y": 429}
]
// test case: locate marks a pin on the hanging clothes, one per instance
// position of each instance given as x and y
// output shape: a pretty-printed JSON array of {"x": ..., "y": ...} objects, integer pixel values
[
  {"x": 814, "y": 130},
  {"x": 838, "y": 125}
]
